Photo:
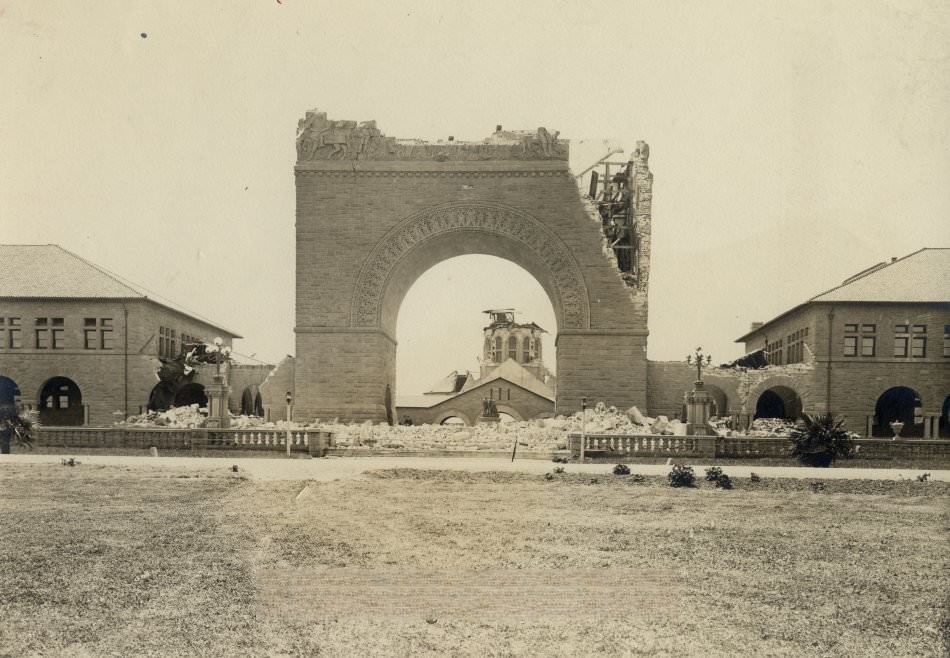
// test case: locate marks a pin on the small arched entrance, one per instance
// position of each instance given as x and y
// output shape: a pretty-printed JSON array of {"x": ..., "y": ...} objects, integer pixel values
[
  {"x": 779, "y": 402},
  {"x": 60, "y": 403},
  {"x": 453, "y": 421},
  {"x": 720, "y": 401},
  {"x": 189, "y": 394},
  {"x": 899, "y": 403},
  {"x": 9, "y": 392},
  {"x": 944, "y": 425},
  {"x": 251, "y": 402}
]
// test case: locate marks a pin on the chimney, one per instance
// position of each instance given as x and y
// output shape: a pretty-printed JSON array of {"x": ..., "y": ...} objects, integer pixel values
[{"x": 755, "y": 326}]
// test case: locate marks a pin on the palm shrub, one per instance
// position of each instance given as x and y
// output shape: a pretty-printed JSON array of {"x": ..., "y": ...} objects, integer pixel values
[
  {"x": 818, "y": 440},
  {"x": 14, "y": 428}
]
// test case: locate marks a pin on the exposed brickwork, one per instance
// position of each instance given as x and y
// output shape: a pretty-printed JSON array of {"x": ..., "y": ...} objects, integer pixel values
[{"x": 345, "y": 209}]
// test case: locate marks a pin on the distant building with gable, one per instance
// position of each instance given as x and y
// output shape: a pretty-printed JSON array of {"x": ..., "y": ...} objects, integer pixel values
[{"x": 512, "y": 373}]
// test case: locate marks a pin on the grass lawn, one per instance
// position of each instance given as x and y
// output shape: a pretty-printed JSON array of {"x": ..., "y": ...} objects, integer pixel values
[{"x": 103, "y": 560}]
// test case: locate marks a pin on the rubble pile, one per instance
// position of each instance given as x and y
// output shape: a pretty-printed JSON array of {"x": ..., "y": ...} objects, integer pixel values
[
  {"x": 175, "y": 417},
  {"x": 771, "y": 427}
]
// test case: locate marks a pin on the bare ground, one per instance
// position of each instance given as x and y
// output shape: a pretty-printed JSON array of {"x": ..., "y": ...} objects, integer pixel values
[{"x": 102, "y": 560}]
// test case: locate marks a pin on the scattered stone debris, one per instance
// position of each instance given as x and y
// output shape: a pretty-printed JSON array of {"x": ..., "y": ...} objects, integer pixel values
[{"x": 72, "y": 461}]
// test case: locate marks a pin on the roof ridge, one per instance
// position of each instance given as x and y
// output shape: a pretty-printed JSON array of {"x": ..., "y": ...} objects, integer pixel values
[
  {"x": 874, "y": 269},
  {"x": 135, "y": 287},
  {"x": 115, "y": 277}
]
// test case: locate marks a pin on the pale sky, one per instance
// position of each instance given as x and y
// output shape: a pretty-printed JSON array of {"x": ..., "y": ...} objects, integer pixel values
[{"x": 792, "y": 143}]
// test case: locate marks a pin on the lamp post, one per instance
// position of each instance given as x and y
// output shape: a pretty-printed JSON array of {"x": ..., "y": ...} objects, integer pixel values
[
  {"x": 290, "y": 401},
  {"x": 583, "y": 426},
  {"x": 218, "y": 391},
  {"x": 700, "y": 362},
  {"x": 698, "y": 401}
]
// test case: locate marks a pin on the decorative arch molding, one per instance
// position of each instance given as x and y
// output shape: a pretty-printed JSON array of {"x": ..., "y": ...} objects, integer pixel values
[{"x": 565, "y": 277}]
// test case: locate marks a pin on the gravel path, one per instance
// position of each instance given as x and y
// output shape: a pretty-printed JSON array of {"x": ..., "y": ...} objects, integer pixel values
[{"x": 346, "y": 468}]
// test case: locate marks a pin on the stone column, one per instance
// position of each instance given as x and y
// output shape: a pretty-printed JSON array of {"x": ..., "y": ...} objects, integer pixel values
[
  {"x": 217, "y": 393},
  {"x": 698, "y": 410}
]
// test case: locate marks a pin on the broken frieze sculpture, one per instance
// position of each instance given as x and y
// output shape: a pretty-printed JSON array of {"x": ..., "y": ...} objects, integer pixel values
[{"x": 320, "y": 138}]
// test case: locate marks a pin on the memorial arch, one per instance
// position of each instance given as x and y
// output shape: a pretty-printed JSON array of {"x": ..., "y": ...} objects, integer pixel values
[{"x": 374, "y": 213}]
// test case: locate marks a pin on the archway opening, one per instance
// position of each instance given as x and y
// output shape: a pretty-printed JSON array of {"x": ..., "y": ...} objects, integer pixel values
[
  {"x": 9, "y": 392},
  {"x": 446, "y": 342},
  {"x": 191, "y": 393},
  {"x": 161, "y": 397},
  {"x": 720, "y": 401},
  {"x": 779, "y": 402},
  {"x": 251, "y": 402},
  {"x": 898, "y": 404},
  {"x": 60, "y": 403},
  {"x": 944, "y": 424},
  {"x": 506, "y": 417},
  {"x": 453, "y": 421}
]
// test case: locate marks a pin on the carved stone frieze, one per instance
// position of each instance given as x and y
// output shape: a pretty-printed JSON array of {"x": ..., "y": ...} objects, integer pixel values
[
  {"x": 320, "y": 138},
  {"x": 545, "y": 246}
]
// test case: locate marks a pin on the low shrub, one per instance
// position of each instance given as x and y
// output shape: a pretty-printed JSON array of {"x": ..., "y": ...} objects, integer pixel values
[
  {"x": 636, "y": 477},
  {"x": 755, "y": 477},
  {"x": 818, "y": 440},
  {"x": 723, "y": 482},
  {"x": 558, "y": 469},
  {"x": 682, "y": 476},
  {"x": 621, "y": 469},
  {"x": 559, "y": 460},
  {"x": 923, "y": 477},
  {"x": 713, "y": 473}
]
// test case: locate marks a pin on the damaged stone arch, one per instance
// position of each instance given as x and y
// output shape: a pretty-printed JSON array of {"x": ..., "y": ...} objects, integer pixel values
[
  {"x": 777, "y": 395},
  {"x": 442, "y": 232}
]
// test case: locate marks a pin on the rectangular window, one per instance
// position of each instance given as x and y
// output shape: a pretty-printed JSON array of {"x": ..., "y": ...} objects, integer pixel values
[
  {"x": 850, "y": 345},
  {"x": 850, "y": 328},
  {"x": 89, "y": 322},
  {"x": 918, "y": 347},
  {"x": 868, "y": 328},
  {"x": 901, "y": 328},
  {"x": 900, "y": 346},
  {"x": 89, "y": 338},
  {"x": 867, "y": 345},
  {"x": 920, "y": 329},
  {"x": 106, "y": 339},
  {"x": 59, "y": 339},
  {"x": 42, "y": 339},
  {"x": 13, "y": 333},
  {"x": 42, "y": 322}
]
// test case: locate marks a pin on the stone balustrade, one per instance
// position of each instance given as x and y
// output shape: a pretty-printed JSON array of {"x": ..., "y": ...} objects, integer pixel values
[
  {"x": 305, "y": 440},
  {"x": 618, "y": 446}
]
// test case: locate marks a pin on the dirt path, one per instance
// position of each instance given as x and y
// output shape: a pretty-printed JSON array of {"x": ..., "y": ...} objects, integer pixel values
[{"x": 343, "y": 468}]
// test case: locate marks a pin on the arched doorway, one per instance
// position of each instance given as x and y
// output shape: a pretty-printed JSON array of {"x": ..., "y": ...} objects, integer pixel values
[
  {"x": 60, "y": 403},
  {"x": 899, "y": 403},
  {"x": 189, "y": 394},
  {"x": 779, "y": 402},
  {"x": 720, "y": 401},
  {"x": 426, "y": 204},
  {"x": 251, "y": 402},
  {"x": 944, "y": 424},
  {"x": 453, "y": 421},
  {"x": 9, "y": 392}
]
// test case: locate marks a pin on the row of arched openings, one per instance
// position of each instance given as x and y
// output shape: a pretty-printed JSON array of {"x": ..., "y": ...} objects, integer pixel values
[{"x": 60, "y": 400}]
